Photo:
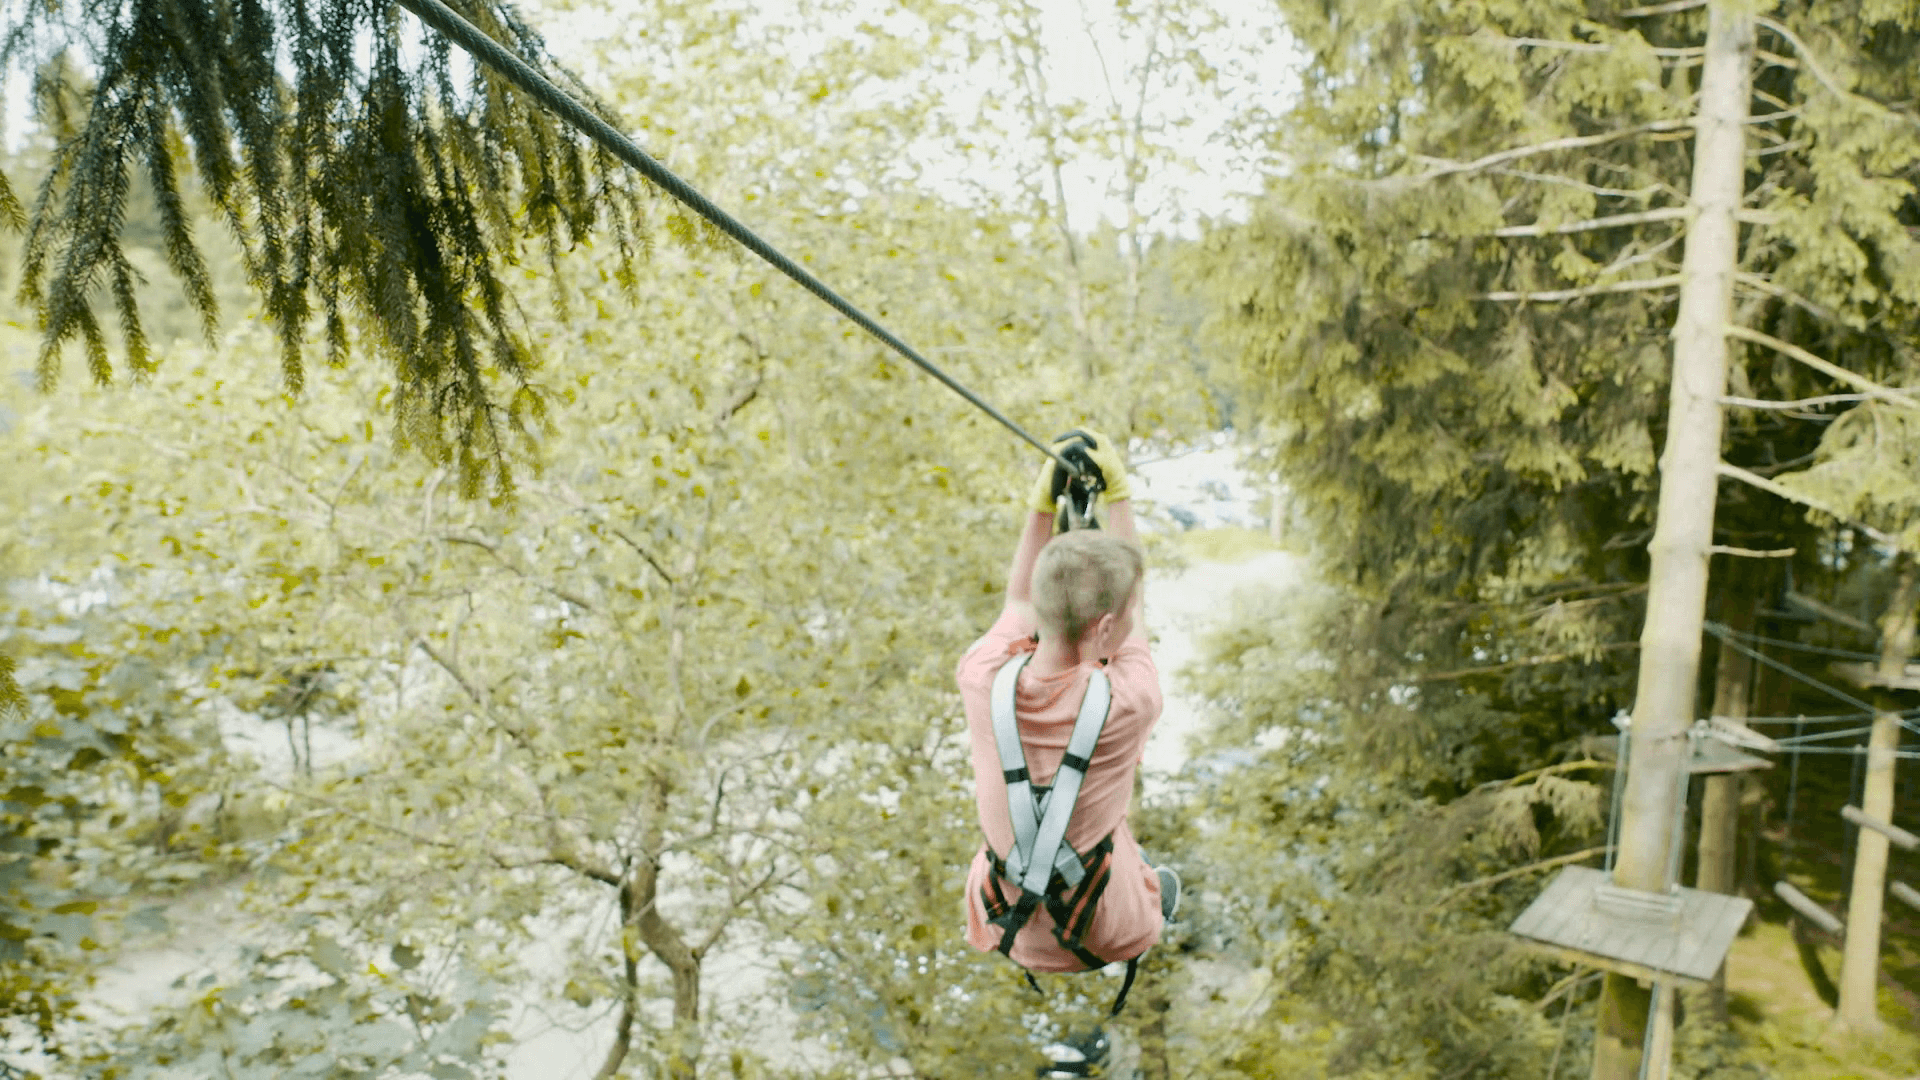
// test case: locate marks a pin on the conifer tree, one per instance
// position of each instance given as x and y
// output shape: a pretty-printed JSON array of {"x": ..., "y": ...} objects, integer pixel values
[
  {"x": 1454, "y": 316},
  {"x": 373, "y": 177}
]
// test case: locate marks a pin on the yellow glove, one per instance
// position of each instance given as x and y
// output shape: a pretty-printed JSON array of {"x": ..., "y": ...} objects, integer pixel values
[{"x": 1102, "y": 451}]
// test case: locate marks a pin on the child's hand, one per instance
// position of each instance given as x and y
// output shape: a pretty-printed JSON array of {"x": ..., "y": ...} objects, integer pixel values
[{"x": 1109, "y": 458}]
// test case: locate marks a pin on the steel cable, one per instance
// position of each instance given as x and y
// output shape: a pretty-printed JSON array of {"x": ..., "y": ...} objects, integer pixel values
[{"x": 491, "y": 53}]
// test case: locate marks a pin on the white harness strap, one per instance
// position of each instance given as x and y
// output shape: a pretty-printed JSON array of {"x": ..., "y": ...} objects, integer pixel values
[{"x": 1040, "y": 825}]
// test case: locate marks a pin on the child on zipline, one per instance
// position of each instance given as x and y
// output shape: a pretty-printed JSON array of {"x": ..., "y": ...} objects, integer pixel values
[{"x": 1070, "y": 640}]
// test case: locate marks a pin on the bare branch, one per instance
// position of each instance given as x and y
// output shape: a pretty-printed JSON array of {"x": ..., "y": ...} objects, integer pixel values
[
  {"x": 1457, "y": 891},
  {"x": 1791, "y": 406},
  {"x": 1735, "y": 472},
  {"x": 1751, "y": 553},
  {"x": 1825, "y": 367},
  {"x": 1821, "y": 75},
  {"x": 1444, "y": 167},
  {"x": 552, "y": 590},
  {"x": 1663, "y": 213},
  {"x": 1669, "y": 281},
  {"x": 1548, "y": 770},
  {"x": 1574, "y": 46},
  {"x": 1669, "y": 8},
  {"x": 1647, "y": 192},
  {"x": 1529, "y": 661},
  {"x": 1759, "y": 283}
]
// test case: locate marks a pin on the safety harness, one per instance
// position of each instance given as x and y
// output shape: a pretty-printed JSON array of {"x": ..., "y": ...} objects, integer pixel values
[{"x": 1045, "y": 869}]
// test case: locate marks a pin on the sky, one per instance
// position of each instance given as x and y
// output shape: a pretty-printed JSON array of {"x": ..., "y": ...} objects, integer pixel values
[{"x": 1078, "y": 33}]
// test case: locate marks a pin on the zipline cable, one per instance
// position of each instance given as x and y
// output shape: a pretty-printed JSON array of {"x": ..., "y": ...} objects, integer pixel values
[{"x": 517, "y": 71}]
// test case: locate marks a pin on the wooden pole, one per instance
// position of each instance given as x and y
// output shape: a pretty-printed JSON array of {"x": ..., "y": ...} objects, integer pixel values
[
  {"x": 1659, "y": 1055},
  {"x": 1860, "y": 963},
  {"x": 1663, "y": 706},
  {"x": 1720, "y": 799}
]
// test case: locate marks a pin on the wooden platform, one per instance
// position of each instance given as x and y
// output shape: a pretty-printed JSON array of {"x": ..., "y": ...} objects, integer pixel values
[
  {"x": 1709, "y": 755},
  {"x": 1868, "y": 676},
  {"x": 1681, "y": 939}
]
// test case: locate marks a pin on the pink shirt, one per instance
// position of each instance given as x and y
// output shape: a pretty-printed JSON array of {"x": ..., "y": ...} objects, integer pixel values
[{"x": 1127, "y": 919}]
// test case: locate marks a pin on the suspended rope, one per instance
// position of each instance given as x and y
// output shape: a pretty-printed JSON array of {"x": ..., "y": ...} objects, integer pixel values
[
  {"x": 491, "y": 53},
  {"x": 1720, "y": 631},
  {"x": 1824, "y": 736},
  {"x": 1799, "y": 646},
  {"x": 1904, "y": 754}
]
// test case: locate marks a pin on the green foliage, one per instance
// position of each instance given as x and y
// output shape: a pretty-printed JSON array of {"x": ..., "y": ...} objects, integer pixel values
[
  {"x": 383, "y": 182},
  {"x": 1451, "y": 320}
]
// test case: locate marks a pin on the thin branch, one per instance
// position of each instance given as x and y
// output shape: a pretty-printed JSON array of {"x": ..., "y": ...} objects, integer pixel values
[
  {"x": 1759, "y": 283},
  {"x": 1647, "y": 192},
  {"x": 1663, "y": 213},
  {"x": 552, "y": 590},
  {"x": 1669, "y": 8},
  {"x": 1457, "y": 891},
  {"x": 1821, "y": 75},
  {"x": 1575, "y": 46},
  {"x": 1567, "y": 985},
  {"x": 1443, "y": 167},
  {"x": 1790, "y": 406},
  {"x": 1554, "y": 296},
  {"x": 1751, "y": 553},
  {"x": 1529, "y": 661},
  {"x": 1828, "y": 368},
  {"x": 1544, "y": 771},
  {"x": 1735, "y": 472}
]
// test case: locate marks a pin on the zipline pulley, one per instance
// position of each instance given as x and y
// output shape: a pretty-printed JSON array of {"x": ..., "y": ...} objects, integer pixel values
[{"x": 1074, "y": 494}]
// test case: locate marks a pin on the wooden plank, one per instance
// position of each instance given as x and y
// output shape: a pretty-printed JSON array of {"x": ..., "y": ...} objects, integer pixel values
[
  {"x": 1579, "y": 958},
  {"x": 1868, "y": 675},
  {"x": 1899, "y": 837},
  {"x": 1907, "y": 894},
  {"x": 1809, "y": 910},
  {"x": 1709, "y": 755}
]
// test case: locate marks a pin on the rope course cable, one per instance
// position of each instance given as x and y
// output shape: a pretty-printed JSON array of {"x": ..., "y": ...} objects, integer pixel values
[
  {"x": 1720, "y": 631},
  {"x": 487, "y": 51},
  {"x": 1800, "y": 646}
]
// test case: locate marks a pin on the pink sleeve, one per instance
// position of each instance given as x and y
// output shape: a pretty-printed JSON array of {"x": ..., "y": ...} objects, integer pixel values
[
  {"x": 1136, "y": 690},
  {"x": 1010, "y": 627}
]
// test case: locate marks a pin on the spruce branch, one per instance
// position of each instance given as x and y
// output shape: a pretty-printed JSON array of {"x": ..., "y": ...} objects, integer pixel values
[
  {"x": 1823, "y": 76},
  {"x": 1577, "y": 46},
  {"x": 1671, "y": 8},
  {"x": 1455, "y": 892},
  {"x": 1795, "y": 405},
  {"x": 1825, "y": 367},
  {"x": 1443, "y": 167},
  {"x": 1523, "y": 662},
  {"x": 1735, "y": 472},
  {"x": 355, "y": 176},
  {"x": 1663, "y": 213},
  {"x": 1554, "y": 296}
]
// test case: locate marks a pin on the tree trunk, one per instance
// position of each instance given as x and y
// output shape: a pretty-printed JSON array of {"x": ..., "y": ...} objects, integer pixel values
[
  {"x": 1860, "y": 963},
  {"x": 1677, "y": 592}
]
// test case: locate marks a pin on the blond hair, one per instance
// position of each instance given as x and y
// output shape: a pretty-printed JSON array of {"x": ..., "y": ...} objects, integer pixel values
[{"x": 1081, "y": 576}]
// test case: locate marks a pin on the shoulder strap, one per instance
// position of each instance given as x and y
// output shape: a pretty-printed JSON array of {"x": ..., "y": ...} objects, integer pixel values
[
  {"x": 1013, "y": 762},
  {"x": 1041, "y": 861}
]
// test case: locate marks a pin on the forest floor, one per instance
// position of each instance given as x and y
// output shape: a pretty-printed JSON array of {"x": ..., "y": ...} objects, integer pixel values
[{"x": 1780, "y": 1013}]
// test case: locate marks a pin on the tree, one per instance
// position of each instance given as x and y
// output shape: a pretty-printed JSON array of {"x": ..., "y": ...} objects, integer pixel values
[
  {"x": 1460, "y": 339},
  {"x": 398, "y": 190}
]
